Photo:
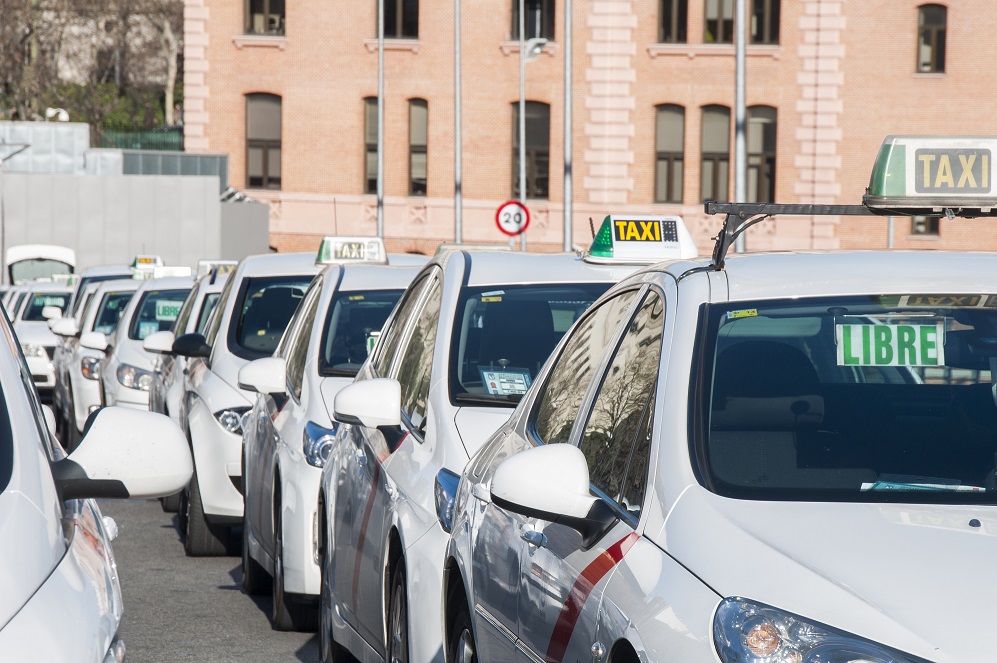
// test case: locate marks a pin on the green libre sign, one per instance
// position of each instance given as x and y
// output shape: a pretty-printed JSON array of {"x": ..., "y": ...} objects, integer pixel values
[{"x": 890, "y": 345}]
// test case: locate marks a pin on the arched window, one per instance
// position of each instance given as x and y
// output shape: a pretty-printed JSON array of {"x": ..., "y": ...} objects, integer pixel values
[
  {"x": 760, "y": 138},
  {"x": 370, "y": 144},
  {"x": 669, "y": 144},
  {"x": 263, "y": 141},
  {"x": 418, "y": 138},
  {"x": 537, "y": 149},
  {"x": 931, "y": 21},
  {"x": 715, "y": 160}
]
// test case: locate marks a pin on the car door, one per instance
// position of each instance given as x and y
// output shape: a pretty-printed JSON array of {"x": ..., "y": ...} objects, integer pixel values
[
  {"x": 358, "y": 473},
  {"x": 499, "y": 537},
  {"x": 563, "y": 573}
]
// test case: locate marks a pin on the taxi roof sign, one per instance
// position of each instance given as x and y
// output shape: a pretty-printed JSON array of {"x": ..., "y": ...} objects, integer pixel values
[
  {"x": 934, "y": 175},
  {"x": 339, "y": 250},
  {"x": 637, "y": 239}
]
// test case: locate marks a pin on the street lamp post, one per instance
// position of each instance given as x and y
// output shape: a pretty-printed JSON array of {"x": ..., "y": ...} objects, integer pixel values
[{"x": 529, "y": 49}]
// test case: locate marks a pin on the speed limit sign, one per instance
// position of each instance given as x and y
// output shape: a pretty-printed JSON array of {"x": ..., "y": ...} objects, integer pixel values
[{"x": 512, "y": 217}]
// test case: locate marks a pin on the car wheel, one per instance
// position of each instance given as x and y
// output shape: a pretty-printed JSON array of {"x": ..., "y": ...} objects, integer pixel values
[
  {"x": 255, "y": 580},
  {"x": 289, "y": 614},
  {"x": 398, "y": 617},
  {"x": 461, "y": 648},
  {"x": 203, "y": 538},
  {"x": 170, "y": 503}
]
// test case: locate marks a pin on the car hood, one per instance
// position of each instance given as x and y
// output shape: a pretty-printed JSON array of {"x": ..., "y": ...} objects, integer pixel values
[
  {"x": 30, "y": 547},
  {"x": 130, "y": 351},
  {"x": 476, "y": 424},
  {"x": 917, "y": 578},
  {"x": 37, "y": 333}
]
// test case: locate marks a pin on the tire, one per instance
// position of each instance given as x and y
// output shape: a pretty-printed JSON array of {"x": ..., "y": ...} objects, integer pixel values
[
  {"x": 462, "y": 648},
  {"x": 203, "y": 538},
  {"x": 288, "y": 614},
  {"x": 170, "y": 503},
  {"x": 397, "y": 617},
  {"x": 255, "y": 580}
]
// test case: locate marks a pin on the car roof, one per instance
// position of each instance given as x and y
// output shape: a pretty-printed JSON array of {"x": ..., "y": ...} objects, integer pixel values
[
  {"x": 279, "y": 264},
  {"x": 118, "y": 285},
  {"x": 373, "y": 277},
  {"x": 512, "y": 268},
  {"x": 48, "y": 287},
  {"x": 104, "y": 270},
  {"x": 167, "y": 283}
]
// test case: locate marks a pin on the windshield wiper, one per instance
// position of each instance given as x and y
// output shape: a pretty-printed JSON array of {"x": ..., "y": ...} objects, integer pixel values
[{"x": 488, "y": 399}]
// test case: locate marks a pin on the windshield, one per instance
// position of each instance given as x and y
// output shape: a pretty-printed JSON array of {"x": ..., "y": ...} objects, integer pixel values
[
  {"x": 86, "y": 280},
  {"x": 503, "y": 335},
  {"x": 265, "y": 307},
  {"x": 39, "y": 300},
  {"x": 111, "y": 307},
  {"x": 155, "y": 312},
  {"x": 351, "y": 329},
  {"x": 206, "y": 309},
  {"x": 869, "y": 399},
  {"x": 23, "y": 271}
]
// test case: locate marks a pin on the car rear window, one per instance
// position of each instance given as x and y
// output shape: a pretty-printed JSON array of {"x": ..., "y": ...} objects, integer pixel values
[
  {"x": 352, "y": 327},
  {"x": 156, "y": 312},
  {"x": 39, "y": 300},
  {"x": 265, "y": 306},
  {"x": 866, "y": 399}
]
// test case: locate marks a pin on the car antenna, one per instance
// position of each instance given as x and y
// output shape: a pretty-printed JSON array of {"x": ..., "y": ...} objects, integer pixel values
[{"x": 592, "y": 227}]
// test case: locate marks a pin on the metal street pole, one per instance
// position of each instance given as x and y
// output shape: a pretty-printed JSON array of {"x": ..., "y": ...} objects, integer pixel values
[
  {"x": 568, "y": 233},
  {"x": 380, "y": 118},
  {"x": 740, "y": 147},
  {"x": 522, "y": 114},
  {"x": 457, "y": 182}
]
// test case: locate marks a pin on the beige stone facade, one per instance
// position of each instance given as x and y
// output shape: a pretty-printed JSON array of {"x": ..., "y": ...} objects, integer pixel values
[{"x": 842, "y": 76}]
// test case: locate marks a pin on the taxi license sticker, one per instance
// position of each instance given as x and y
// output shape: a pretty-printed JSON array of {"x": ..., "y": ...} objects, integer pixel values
[
  {"x": 372, "y": 341},
  {"x": 491, "y": 299},
  {"x": 147, "y": 327},
  {"x": 507, "y": 381},
  {"x": 53, "y": 301},
  {"x": 355, "y": 298},
  {"x": 890, "y": 345},
  {"x": 888, "y": 482},
  {"x": 744, "y": 313},
  {"x": 167, "y": 311}
]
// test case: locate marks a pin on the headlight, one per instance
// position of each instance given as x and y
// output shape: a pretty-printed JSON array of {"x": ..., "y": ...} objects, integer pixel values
[
  {"x": 748, "y": 632},
  {"x": 134, "y": 378},
  {"x": 317, "y": 443},
  {"x": 90, "y": 368},
  {"x": 445, "y": 493},
  {"x": 231, "y": 418},
  {"x": 32, "y": 350}
]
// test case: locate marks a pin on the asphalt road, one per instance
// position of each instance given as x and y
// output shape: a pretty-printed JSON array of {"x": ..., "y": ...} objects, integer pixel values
[{"x": 189, "y": 609}]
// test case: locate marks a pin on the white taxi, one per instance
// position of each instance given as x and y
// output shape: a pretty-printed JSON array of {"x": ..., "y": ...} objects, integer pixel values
[
  {"x": 766, "y": 458},
  {"x": 290, "y": 430},
  {"x": 465, "y": 342},
  {"x": 253, "y": 310},
  {"x": 66, "y": 327},
  {"x": 43, "y": 301}
]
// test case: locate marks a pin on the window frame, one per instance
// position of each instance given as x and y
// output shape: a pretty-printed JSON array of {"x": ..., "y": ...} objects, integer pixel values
[
  {"x": 265, "y": 145},
  {"x": 677, "y": 12},
  {"x": 267, "y": 14},
  {"x": 765, "y": 161},
  {"x": 933, "y": 37},
  {"x": 671, "y": 158},
  {"x": 721, "y": 21},
  {"x": 546, "y": 29},
  {"x": 715, "y": 159},
  {"x": 370, "y": 149},
  {"x": 398, "y": 30},
  {"x": 766, "y": 22},
  {"x": 415, "y": 149},
  {"x": 533, "y": 155}
]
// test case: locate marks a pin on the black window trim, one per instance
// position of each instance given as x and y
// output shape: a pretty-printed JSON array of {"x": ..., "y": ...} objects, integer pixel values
[
  {"x": 419, "y": 434},
  {"x": 317, "y": 283}
]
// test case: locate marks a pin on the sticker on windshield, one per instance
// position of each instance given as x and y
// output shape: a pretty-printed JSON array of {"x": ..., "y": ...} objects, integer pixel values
[
  {"x": 355, "y": 298},
  {"x": 372, "y": 341},
  {"x": 493, "y": 298},
  {"x": 147, "y": 327},
  {"x": 506, "y": 382},
  {"x": 167, "y": 311},
  {"x": 912, "y": 483},
  {"x": 54, "y": 301},
  {"x": 744, "y": 313},
  {"x": 890, "y": 345}
]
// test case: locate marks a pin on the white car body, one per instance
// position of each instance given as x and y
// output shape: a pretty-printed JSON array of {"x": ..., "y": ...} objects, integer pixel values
[
  {"x": 213, "y": 502},
  {"x": 125, "y": 351},
  {"x": 63, "y": 350},
  {"x": 37, "y": 340},
  {"x": 883, "y": 576},
  {"x": 377, "y": 512},
  {"x": 282, "y": 475},
  {"x": 96, "y": 275}
]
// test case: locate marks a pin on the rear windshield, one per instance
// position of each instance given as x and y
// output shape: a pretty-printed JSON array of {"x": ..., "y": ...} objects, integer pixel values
[
  {"x": 156, "y": 312},
  {"x": 264, "y": 307},
  {"x": 109, "y": 312},
  {"x": 503, "y": 335},
  {"x": 866, "y": 399},
  {"x": 39, "y": 300},
  {"x": 351, "y": 329},
  {"x": 37, "y": 268},
  {"x": 207, "y": 308}
]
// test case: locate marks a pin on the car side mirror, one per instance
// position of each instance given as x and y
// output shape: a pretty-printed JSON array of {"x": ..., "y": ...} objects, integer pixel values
[
  {"x": 51, "y": 312},
  {"x": 112, "y": 461},
  {"x": 265, "y": 376},
  {"x": 159, "y": 342},
  {"x": 94, "y": 341},
  {"x": 371, "y": 403},
  {"x": 551, "y": 482},
  {"x": 191, "y": 345},
  {"x": 65, "y": 327}
]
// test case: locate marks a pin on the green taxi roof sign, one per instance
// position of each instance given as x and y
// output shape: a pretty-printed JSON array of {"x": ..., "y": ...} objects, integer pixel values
[
  {"x": 339, "y": 250},
  {"x": 934, "y": 174},
  {"x": 637, "y": 239}
]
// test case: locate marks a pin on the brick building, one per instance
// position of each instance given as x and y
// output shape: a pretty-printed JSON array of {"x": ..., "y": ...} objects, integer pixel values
[{"x": 289, "y": 92}]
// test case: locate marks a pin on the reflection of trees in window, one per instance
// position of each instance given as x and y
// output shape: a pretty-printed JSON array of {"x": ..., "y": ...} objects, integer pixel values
[
  {"x": 418, "y": 123},
  {"x": 715, "y": 153},
  {"x": 401, "y": 19},
  {"x": 670, "y": 157},
  {"x": 265, "y": 17},
  {"x": 263, "y": 127},
  {"x": 761, "y": 133},
  {"x": 575, "y": 367},
  {"x": 416, "y": 365},
  {"x": 764, "y": 22},
  {"x": 297, "y": 349},
  {"x": 931, "y": 21},
  {"x": 538, "y": 21},
  {"x": 611, "y": 432},
  {"x": 719, "y": 22},
  {"x": 672, "y": 21},
  {"x": 370, "y": 144},
  {"x": 537, "y": 149},
  {"x": 389, "y": 343}
]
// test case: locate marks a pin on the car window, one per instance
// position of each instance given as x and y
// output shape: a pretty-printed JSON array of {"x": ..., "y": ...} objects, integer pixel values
[
  {"x": 387, "y": 347},
  {"x": 180, "y": 324},
  {"x": 295, "y": 344},
  {"x": 156, "y": 312},
  {"x": 416, "y": 365},
  {"x": 207, "y": 308},
  {"x": 215, "y": 322},
  {"x": 39, "y": 300},
  {"x": 48, "y": 440},
  {"x": 261, "y": 313},
  {"x": 503, "y": 335},
  {"x": 867, "y": 399},
  {"x": 571, "y": 375},
  {"x": 86, "y": 304},
  {"x": 77, "y": 300},
  {"x": 613, "y": 441},
  {"x": 352, "y": 328},
  {"x": 110, "y": 309}
]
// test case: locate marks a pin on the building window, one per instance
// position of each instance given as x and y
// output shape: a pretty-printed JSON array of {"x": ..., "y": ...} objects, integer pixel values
[
  {"x": 924, "y": 226},
  {"x": 931, "y": 39},
  {"x": 765, "y": 21},
  {"x": 539, "y": 19},
  {"x": 401, "y": 19},
  {"x": 761, "y": 154},
  {"x": 418, "y": 128},
  {"x": 672, "y": 21},
  {"x": 262, "y": 141},
  {"x": 719, "y": 22},
  {"x": 265, "y": 17},
  {"x": 715, "y": 153},
  {"x": 669, "y": 164},
  {"x": 370, "y": 144},
  {"x": 537, "y": 149}
]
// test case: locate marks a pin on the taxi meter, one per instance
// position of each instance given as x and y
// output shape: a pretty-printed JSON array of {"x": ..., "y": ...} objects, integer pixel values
[
  {"x": 629, "y": 238},
  {"x": 335, "y": 250}
]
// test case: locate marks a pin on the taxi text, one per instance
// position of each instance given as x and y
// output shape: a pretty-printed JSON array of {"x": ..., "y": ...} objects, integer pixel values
[{"x": 952, "y": 170}]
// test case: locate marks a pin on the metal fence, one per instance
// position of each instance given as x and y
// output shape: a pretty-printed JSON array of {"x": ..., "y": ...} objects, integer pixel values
[{"x": 169, "y": 139}]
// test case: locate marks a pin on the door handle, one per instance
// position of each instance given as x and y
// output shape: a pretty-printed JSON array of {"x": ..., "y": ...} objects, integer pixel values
[{"x": 534, "y": 538}]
